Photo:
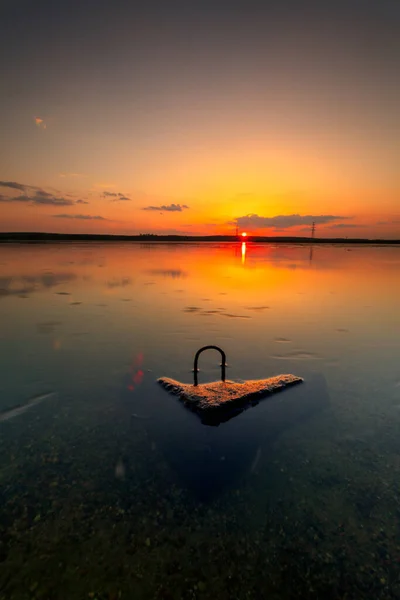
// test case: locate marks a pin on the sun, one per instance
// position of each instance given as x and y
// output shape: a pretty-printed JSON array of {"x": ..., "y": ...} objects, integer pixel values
[{"x": 244, "y": 234}]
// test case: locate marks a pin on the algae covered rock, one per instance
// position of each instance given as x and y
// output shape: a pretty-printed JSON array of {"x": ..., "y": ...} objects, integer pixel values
[{"x": 221, "y": 400}]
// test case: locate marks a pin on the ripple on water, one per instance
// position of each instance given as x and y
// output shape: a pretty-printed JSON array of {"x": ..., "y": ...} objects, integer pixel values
[
  {"x": 47, "y": 327},
  {"x": 333, "y": 362},
  {"x": 297, "y": 355},
  {"x": 282, "y": 340},
  {"x": 216, "y": 311}
]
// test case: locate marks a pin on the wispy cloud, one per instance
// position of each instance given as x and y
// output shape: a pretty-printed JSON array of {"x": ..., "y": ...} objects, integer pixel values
[
  {"x": 14, "y": 185},
  {"x": 40, "y": 123},
  {"x": 167, "y": 207},
  {"x": 393, "y": 222},
  {"x": 345, "y": 226},
  {"x": 40, "y": 197},
  {"x": 115, "y": 196},
  {"x": 82, "y": 217},
  {"x": 64, "y": 175},
  {"x": 10, "y": 199},
  {"x": 283, "y": 221},
  {"x": 33, "y": 195}
]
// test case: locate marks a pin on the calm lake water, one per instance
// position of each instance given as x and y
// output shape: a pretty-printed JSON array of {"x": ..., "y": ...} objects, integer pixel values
[{"x": 110, "y": 488}]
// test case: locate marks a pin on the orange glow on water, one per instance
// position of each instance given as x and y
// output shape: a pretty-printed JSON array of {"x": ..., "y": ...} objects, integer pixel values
[
  {"x": 172, "y": 279},
  {"x": 243, "y": 252},
  {"x": 136, "y": 372}
]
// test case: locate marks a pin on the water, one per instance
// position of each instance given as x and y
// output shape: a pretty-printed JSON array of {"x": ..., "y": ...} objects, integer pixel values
[{"x": 111, "y": 488}]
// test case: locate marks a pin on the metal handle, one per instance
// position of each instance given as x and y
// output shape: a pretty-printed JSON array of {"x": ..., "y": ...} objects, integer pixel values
[{"x": 196, "y": 360}]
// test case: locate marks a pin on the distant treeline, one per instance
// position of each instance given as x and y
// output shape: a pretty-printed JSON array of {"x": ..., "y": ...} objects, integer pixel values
[{"x": 36, "y": 237}]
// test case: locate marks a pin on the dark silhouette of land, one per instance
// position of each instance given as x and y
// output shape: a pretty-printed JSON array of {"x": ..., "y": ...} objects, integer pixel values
[{"x": 36, "y": 237}]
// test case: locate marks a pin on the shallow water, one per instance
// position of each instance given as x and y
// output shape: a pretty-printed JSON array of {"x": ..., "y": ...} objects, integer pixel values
[{"x": 110, "y": 488}]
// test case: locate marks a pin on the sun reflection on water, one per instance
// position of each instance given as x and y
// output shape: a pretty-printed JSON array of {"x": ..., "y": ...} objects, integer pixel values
[{"x": 243, "y": 252}]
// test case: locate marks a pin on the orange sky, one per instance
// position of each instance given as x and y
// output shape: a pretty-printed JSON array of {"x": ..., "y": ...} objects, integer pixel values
[{"x": 158, "y": 132}]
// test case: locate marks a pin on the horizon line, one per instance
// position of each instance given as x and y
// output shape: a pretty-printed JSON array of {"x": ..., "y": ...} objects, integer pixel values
[{"x": 36, "y": 235}]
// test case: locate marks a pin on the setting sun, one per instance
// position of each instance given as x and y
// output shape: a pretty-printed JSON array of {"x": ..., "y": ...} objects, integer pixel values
[{"x": 244, "y": 234}]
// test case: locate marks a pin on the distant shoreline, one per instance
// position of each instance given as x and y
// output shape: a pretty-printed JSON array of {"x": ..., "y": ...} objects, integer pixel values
[{"x": 40, "y": 238}]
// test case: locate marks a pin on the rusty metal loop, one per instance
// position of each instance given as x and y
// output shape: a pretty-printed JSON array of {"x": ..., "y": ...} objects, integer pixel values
[{"x": 196, "y": 360}]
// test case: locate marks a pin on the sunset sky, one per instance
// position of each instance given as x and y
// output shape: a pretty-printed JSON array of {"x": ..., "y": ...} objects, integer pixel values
[{"x": 199, "y": 115}]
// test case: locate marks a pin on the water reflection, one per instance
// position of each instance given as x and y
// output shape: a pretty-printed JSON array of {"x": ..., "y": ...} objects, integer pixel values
[
  {"x": 113, "y": 487},
  {"x": 243, "y": 252},
  {"x": 173, "y": 273},
  {"x": 116, "y": 283},
  {"x": 16, "y": 285},
  {"x": 136, "y": 372}
]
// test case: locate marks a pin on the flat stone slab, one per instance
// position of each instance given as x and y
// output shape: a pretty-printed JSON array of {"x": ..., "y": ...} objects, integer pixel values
[{"x": 220, "y": 397}]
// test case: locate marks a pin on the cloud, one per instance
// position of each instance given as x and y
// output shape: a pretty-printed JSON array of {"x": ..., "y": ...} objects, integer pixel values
[
  {"x": 283, "y": 221},
  {"x": 115, "y": 196},
  {"x": 345, "y": 226},
  {"x": 167, "y": 208},
  {"x": 82, "y": 217},
  {"x": 71, "y": 175},
  {"x": 11, "y": 199},
  {"x": 51, "y": 200},
  {"x": 43, "y": 194},
  {"x": 394, "y": 222},
  {"x": 14, "y": 185},
  {"x": 40, "y": 197},
  {"x": 40, "y": 123}
]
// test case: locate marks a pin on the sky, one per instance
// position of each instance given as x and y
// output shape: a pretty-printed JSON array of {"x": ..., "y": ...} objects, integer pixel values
[{"x": 200, "y": 116}]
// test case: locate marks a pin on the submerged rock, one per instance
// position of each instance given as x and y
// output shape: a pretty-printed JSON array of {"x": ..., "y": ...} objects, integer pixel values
[{"x": 221, "y": 400}]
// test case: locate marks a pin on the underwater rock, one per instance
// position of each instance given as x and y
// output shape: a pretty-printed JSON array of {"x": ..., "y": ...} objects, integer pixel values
[{"x": 209, "y": 460}]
